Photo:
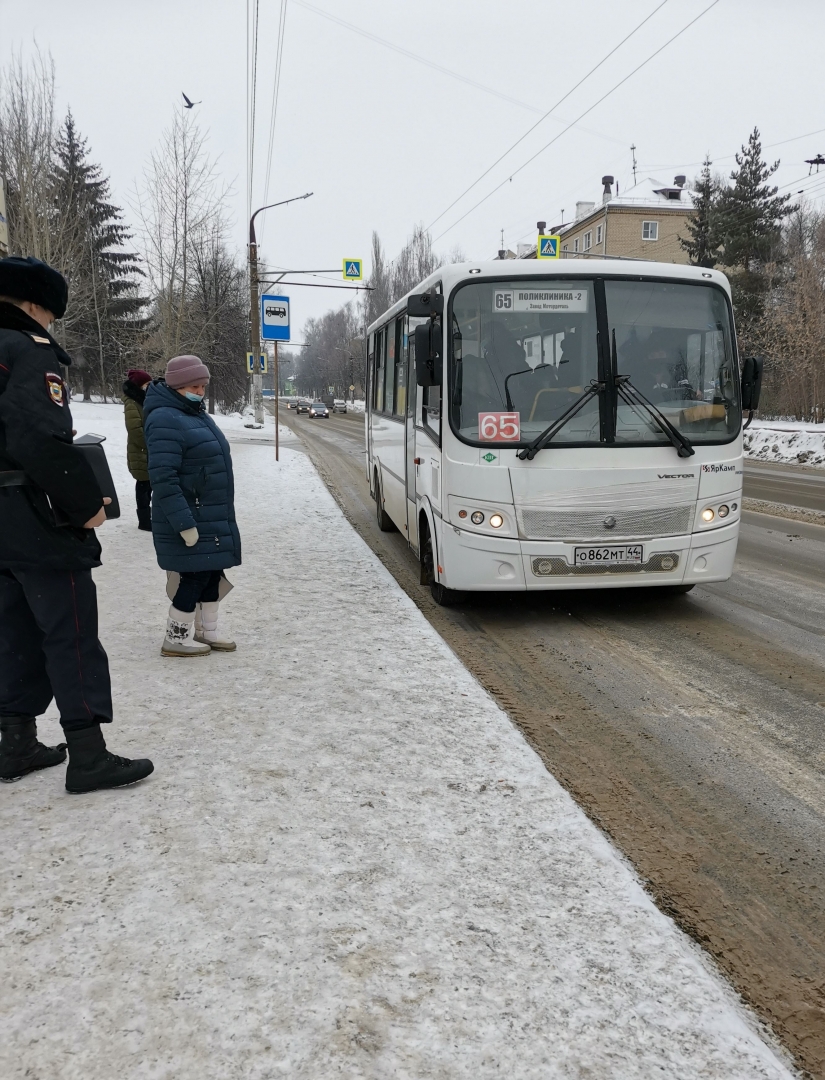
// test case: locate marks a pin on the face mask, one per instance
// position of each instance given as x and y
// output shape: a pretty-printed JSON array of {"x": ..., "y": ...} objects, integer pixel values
[{"x": 193, "y": 397}]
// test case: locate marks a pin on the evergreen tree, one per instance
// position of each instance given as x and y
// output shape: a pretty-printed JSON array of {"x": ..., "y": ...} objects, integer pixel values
[
  {"x": 702, "y": 242},
  {"x": 749, "y": 218},
  {"x": 104, "y": 316}
]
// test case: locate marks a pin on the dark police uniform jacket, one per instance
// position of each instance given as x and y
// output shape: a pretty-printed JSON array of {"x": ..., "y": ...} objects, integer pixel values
[{"x": 47, "y": 488}]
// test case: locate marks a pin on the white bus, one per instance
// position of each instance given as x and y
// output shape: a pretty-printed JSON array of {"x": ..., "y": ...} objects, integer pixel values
[{"x": 561, "y": 425}]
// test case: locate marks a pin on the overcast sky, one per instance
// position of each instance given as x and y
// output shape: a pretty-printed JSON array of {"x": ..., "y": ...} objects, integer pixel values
[{"x": 386, "y": 142}]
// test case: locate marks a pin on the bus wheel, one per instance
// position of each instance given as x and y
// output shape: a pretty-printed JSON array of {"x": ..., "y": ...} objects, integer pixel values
[
  {"x": 443, "y": 596},
  {"x": 385, "y": 522}
]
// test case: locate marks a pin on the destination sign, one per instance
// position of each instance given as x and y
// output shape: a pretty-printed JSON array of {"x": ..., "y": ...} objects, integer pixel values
[{"x": 572, "y": 300}]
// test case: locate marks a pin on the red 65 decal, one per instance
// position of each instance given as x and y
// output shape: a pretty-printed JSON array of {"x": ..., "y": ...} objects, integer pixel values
[{"x": 499, "y": 426}]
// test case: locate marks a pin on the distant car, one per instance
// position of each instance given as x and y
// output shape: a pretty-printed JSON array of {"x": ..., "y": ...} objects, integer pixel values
[
  {"x": 318, "y": 408},
  {"x": 339, "y": 405},
  {"x": 303, "y": 405},
  {"x": 292, "y": 404}
]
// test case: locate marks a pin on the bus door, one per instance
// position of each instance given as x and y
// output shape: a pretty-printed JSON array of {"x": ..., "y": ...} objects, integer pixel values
[{"x": 410, "y": 451}]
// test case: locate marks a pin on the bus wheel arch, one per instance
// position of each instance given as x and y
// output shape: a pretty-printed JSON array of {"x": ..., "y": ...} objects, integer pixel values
[
  {"x": 428, "y": 562},
  {"x": 383, "y": 519}
]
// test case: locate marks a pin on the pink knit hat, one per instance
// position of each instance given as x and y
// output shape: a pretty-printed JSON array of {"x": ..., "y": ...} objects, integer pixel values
[{"x": 186, "y": 371}]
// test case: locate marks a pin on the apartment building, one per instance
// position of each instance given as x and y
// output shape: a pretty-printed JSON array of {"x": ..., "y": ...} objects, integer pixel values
[{"x": 644, "y": 222}]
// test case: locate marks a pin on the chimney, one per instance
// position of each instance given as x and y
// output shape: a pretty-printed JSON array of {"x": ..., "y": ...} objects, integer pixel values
[
  {"x": 502, "y": 254},
  {"x": 541, "y": 226},
  {"x": 607, "y": 194},
  {"x": 584, "y": 208},
  {"x": 680, "y": 180}
]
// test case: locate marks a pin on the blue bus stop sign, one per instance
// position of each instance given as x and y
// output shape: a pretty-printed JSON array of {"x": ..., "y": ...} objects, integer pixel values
[{"x": 275, "y": 318}]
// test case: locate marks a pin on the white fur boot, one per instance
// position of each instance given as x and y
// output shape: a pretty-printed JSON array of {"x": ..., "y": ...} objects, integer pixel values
[
  {"x": 180, "y": 635},
  {"x": 206, "y": 627}
]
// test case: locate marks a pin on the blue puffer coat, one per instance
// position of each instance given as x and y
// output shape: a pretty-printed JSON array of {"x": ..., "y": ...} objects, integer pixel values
[{"x": 190, "y": 469}]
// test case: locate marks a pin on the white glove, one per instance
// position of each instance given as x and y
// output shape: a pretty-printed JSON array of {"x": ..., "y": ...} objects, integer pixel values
[{"x": 190, "y": 536}]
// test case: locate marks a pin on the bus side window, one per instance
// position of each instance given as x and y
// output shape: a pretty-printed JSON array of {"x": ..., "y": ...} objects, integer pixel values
[
  {"x": 389, "y": 367},
  {"x": 401, "y": 368},
  {"x": 371, "y": 370},
  {"x": 409, "y": 361},
  {"x": 380, "y": 341}
]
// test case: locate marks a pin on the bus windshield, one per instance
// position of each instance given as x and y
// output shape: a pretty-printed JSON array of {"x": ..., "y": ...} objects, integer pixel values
[
  {"x": 674, "y": 343},
  {"x": 526, "y": 347},
  {"x": 529, "y": 349}
]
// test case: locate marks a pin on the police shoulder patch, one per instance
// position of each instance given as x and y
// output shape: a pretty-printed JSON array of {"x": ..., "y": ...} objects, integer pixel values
[
  {"x": 54, "y": 384},
  {"x": 39, "y": 340}
]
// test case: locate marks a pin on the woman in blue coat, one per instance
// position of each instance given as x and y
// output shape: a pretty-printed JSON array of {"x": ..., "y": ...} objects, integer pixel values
[{"x": 193, "y": 512}]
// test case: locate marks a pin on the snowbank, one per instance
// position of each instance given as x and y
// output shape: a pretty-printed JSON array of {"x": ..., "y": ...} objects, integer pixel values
[
  {"x": 786, "y": 441},
  {"x": 347, "y": 863}
]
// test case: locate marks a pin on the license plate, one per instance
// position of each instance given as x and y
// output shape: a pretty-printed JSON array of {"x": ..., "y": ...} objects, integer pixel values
[{"x": 608, "y": 556}]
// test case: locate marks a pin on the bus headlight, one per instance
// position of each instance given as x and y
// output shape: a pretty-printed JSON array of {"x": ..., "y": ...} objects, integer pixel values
[
  {"x": 708, "y": 515},
  {"x": 477, "y": 517},
  {"x": 723, "y": 510},
  {"x": 496, "y": 521}
]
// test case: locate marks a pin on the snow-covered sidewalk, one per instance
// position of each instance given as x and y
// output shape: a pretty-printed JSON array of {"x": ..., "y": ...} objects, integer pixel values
[{"x": 348, "y": 862}]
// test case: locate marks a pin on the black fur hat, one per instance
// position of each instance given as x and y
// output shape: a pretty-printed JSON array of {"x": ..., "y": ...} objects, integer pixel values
[{"x": 30, "y": 279}]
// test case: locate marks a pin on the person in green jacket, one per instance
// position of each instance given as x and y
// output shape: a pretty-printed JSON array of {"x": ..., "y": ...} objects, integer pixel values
[{"x": 134, "y": 394}]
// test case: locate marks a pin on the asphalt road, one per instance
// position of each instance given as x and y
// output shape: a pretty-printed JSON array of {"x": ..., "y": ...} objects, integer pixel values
[
  {"x": 794, "y": 485},
  {"x": 691, "y": 729}
]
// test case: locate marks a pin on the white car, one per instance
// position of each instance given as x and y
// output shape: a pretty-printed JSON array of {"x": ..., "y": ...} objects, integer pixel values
[{"x": 339, "y": 405}]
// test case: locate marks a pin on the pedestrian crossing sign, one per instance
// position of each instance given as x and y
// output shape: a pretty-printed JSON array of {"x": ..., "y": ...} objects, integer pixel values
[
  {"x": 353, "y": 269},
  {"x": 548, "y": 247},
  {"x": 263, "y": 362}
]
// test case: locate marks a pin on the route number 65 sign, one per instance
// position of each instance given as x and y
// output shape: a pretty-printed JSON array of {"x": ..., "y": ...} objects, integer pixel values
[{"x": 499, "y": 426}]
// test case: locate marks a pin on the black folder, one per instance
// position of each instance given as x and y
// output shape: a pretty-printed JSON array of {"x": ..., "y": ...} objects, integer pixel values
[{"x": 92, "y": 447}]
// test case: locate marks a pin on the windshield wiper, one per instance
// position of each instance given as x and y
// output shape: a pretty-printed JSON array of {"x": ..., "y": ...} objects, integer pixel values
[
  {"x": 539, "y": 443},
  {"x": 636, "y": 400}
]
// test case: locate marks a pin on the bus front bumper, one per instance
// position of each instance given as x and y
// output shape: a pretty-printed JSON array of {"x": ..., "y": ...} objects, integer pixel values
[{"x": 474, "y": 563}]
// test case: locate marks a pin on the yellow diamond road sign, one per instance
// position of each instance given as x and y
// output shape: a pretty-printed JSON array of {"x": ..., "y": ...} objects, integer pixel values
[
  {"x": 353, "y": 269},
  {"x": 548, "y": 247}
]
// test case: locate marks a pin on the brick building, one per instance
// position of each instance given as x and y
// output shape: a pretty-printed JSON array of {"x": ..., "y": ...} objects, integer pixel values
[{"x": 645, "y": 222}]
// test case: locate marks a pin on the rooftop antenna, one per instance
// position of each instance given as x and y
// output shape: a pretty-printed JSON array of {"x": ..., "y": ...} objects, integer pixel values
[
  {"x": 633, "y": 152},
  {"x": 818, "y": 160}
]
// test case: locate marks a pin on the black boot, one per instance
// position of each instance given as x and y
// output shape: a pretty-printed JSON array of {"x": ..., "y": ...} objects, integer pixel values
[
  {"x": 20, "y": 752},
  {"x": 92, "y": 766}
]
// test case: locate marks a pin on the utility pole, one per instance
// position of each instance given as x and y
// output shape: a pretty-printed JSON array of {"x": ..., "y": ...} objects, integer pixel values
[{"x": 255, "y": 316}]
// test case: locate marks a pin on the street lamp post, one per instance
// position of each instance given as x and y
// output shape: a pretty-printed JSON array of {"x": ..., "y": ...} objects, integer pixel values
[{"x": 255, "y": 312}]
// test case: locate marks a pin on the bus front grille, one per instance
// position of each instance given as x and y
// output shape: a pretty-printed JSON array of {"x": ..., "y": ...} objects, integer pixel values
[
  {"x": 590, "y": 524},
  {"x": 663, "y": 562}
]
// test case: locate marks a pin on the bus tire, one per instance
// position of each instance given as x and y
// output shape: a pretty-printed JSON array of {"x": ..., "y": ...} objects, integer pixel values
[
  {"x": 443, "y": 596},
  {"x": 385, "y": 522},
  {"x": 676, "y": 590}
]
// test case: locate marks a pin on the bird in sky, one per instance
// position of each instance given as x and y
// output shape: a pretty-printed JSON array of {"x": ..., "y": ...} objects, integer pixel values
[{"x": 189, "y": 104}]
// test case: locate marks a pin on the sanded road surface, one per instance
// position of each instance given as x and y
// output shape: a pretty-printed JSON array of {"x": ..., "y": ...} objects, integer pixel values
[
  {"x": 794, "y": 485},
  {"x": 691, "y": 729}
]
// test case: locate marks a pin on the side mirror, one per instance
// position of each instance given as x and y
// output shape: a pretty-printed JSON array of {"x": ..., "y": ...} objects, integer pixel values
[
  {"x": 752, "y": 368},
  {"x": 427, "y": 304},
  {"x": 428, "y": 354}
]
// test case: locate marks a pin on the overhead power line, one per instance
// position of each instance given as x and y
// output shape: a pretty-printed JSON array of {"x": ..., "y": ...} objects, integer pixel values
[
  {"x": 276, "y": 90},
  {"x": 541, "y": 120},
  {"x": 581, "y": 116},
  {"x": 419, "y": 59}
]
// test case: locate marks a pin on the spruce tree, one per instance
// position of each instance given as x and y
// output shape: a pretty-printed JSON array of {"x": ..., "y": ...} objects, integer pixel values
[
  {"x": 702, "y": 242},
  {"x": 749, "y": 220},
  {"x": 105, "y": 307}
]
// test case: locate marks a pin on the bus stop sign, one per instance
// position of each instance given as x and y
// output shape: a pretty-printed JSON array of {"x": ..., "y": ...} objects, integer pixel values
[{"x": 275, "y": 318}]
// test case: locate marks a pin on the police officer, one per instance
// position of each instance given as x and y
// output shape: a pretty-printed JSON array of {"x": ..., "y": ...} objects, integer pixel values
[{"x": 50, "y": 505}]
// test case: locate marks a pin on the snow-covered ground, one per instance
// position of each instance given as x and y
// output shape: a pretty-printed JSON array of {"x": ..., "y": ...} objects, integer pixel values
[
  {"x": 789, "y": 441},
  {"x": 348, "y": 862}
]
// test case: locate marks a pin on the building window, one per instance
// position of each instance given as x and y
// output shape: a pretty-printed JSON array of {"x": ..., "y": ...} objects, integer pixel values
[
  {"x": 565, "y": 247},
  {"x": 599, "y": 233},
  {"x": 650, "y": 230},
  {"x": 576, "y": 244},
  {"x": 588, "y": 240}
]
